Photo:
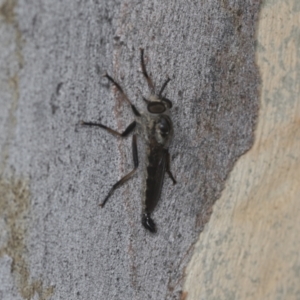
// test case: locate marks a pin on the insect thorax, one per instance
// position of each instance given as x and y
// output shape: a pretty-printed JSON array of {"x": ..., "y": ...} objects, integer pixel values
[{"x": 157, "y": 129}]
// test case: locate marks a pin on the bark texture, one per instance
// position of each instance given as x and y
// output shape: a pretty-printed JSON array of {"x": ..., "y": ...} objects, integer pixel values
[
  {"x": 250, "y": 247},
  {"x": 58, "y": 243}
]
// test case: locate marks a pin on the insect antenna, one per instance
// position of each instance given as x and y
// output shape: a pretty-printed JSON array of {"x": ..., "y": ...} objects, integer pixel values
[{"x": 149, "y": 80}]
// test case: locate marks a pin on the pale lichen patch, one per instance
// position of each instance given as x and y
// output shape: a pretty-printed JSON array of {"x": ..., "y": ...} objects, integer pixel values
[{"x": 15, "y": 212}]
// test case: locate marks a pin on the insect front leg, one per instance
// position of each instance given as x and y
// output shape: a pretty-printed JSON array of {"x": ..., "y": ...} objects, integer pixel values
[
  {"x": 129, "y": 175},
  {"x": 135, "y": 111},
  {"x": 163, "y": 87},
  {"x": 149, "y": 80},
  {"x": 168, "y": 168},
  {"x": 125, "y": 133}
]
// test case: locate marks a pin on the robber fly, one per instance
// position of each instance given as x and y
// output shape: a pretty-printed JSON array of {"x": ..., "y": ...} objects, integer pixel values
[{"x": 156, "y": 128}]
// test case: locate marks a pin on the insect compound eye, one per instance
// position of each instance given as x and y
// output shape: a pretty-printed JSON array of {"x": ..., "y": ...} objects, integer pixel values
[
  {"x": 156, "y": 107},
  {"x": 168, "y": 102}
]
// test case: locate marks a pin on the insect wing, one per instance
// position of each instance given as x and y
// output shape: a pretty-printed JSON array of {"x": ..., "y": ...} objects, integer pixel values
[{"x": 155, "y": 177}]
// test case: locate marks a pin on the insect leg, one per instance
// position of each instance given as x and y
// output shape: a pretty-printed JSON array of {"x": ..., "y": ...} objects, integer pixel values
[
  {"x": 125, "y": 133},
  {"x": 168, "y": 168},
  {"x": 163, "y": 87},
  {"x": 149, "y": 80},
  {"x": 129, "y": 175},
  {"x": 135, "y": 111}
]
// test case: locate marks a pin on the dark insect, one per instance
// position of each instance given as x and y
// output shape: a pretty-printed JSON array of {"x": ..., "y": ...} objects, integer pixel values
[{"x": 156, "y": 128}]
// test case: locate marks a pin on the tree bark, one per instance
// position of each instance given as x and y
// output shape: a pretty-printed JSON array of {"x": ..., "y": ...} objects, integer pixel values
[
  {"x": 250, "y": 247},
  {"x": 57, "y": 243}
]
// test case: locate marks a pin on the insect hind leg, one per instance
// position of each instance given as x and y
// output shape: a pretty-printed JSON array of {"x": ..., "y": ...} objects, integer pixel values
[
  {"x": 129, "y": 175},
  {"x": 168, "y": 168}
]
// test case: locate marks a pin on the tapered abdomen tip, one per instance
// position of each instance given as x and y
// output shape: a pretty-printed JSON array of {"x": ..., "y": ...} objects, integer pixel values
[{"x": 148, "y": 223}]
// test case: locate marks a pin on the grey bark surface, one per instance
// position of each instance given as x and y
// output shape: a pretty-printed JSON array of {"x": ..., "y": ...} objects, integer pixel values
[{"x": 58, "y": 243}]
